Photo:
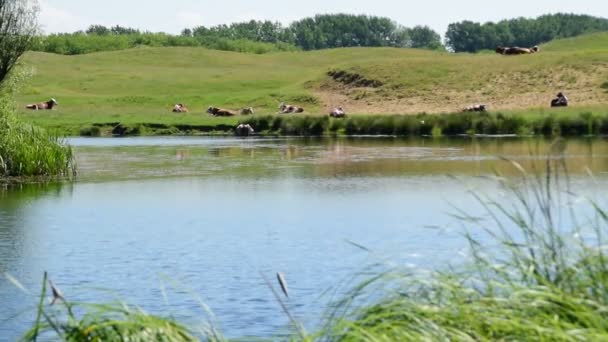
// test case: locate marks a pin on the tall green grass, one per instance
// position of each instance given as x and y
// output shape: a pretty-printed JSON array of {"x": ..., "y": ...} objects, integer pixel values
[
  {"x": 30, "y": 151},
  {"x": 585, "y": 123},
  {"x": 114, "y": 322}
]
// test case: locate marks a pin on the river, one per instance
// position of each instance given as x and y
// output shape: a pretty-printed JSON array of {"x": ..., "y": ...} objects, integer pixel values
[{"x": 164, "y": 222}]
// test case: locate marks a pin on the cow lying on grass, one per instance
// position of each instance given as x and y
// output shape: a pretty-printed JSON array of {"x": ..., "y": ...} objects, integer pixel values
[
  {"x": 560, "y": 101},
  {"x": 247, "y": 111},
  {"x": 286, "y": 109},
  {"x": 43, "y": 105},
  {"x": 180, "y": 108},
  {"x": 475, "y": 108},
  {"x": 219, "y": 111},
  {"x": 337, "y": 113},
  {"x": 516, "y": 50}
]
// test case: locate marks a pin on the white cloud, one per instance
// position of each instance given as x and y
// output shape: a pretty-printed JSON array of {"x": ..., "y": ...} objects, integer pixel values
[
  {"x": 53, "y": 19},
  {"x": 190, "y": 19},
  {"x": 246, "y": 17}
]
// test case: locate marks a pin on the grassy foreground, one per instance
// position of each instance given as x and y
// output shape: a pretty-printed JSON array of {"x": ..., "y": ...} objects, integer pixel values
[
  {"x": 140, "y": 86},
  {"x": 537, "y": 272}
]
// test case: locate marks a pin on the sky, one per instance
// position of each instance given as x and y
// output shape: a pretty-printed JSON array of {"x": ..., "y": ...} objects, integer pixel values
[{"x": 175, "y": 15}]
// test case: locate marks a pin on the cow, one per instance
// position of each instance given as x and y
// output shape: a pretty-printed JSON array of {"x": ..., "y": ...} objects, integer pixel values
[
  {"x": 180, "y": 108},
  {"x": 475, "y": 108},
  {"x": 244, "y": 130},
  {"x": 219, "y": 111},
  {"x": 515, "y": 50},
  {"x": 337, "y": 113},
  {"x": 43, "y": 105},
  {"x": 560, "y": 101},
  {"x": 286, "y": 109},
  {"x": 247, "y": 111}
]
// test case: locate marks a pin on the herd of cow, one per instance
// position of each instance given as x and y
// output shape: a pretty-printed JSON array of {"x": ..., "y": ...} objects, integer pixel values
[
  {"x": 560, "y": 100},
  {"x": 243, "y": 129},
  {"x": 283, "y": 109}
]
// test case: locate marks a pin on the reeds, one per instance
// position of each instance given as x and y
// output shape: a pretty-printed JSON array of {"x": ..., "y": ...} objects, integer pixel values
[{"x": 113, "y": 322}]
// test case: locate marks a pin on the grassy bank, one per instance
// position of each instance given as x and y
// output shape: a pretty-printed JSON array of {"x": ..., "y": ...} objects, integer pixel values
[
  {"x": 565, "y": 123},
  {"x": 143, "y": 84},
  {"x": 568, "y": 122}
]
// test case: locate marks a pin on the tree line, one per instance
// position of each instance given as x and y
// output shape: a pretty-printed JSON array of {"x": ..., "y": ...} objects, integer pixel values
[
  {"x": 327, "y": 31},
  {"x": 468, "y": 36},
  {"x": 332, "y": 31}
]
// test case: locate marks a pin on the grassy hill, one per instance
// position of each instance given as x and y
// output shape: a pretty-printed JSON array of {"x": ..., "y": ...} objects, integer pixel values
[{"x": 141, "y": 85}]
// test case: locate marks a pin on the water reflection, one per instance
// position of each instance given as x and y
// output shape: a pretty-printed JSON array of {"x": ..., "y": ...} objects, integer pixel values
[{"x": 327, "y": 157}]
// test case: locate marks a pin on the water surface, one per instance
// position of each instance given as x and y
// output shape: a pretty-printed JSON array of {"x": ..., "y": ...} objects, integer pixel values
[{"x": 159, "y": 221}]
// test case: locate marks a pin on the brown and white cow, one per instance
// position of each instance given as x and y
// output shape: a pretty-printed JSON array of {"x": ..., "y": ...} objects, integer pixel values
[
  {"x": 286, "y": 109},
  {"x": 247, "y": 111},
  {"x": 337, "y": 113},
  {"x": 43, "y": 105},
  {"x": 180, "y": 108},
  {"x": 515, "y": 50},
  {"x": 475, "y": 108},
  {"x": 219, "y": 111}
]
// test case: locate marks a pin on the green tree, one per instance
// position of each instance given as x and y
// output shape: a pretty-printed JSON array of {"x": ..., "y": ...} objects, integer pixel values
[
  {"x": 465, "y": 36},
  {"x": 18, "y": 29},
  {"x": 424, "y": 37},
  {"x": 98, "y": 30}
]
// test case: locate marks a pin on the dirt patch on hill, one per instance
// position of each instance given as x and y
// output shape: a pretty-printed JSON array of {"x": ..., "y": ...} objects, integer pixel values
[
  {"x": 353, "y": 79},
  {"x": 513, "y": 91}
]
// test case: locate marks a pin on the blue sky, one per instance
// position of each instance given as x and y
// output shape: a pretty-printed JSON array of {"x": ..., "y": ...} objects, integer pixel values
[{"x": 172, "y": 16}]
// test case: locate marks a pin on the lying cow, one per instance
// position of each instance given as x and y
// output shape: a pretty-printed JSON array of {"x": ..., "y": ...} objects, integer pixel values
[
  {"x": 337, "y": 113},
  {"x": 43, "y": 105},
  {"x": 244, "y": 130},
  {"x": 180, "y": 108},
  {"x": 247, "y": 111},
  {"x": 516, "y": 50},
  {"x": 560, "y": 101},
  {"x": 475, "y": 108},
  {"x": 285, "y": 109},
  {"x": 219, "y": 111}
]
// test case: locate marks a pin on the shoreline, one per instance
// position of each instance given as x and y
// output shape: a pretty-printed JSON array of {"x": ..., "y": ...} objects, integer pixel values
[{"x": 571, "y": 124}]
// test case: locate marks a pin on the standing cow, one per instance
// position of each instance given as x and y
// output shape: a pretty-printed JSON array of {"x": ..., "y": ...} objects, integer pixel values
[{"x": 244, "y": 130}]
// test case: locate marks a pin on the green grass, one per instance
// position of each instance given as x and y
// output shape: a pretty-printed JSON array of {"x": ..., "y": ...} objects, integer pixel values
[
  {"x": 141, "y": 85},
  {"x": 113, "y": 322}
]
